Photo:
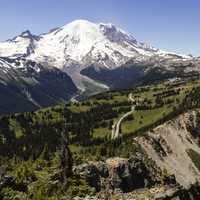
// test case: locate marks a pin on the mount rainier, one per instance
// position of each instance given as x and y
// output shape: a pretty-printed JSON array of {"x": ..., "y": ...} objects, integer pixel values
[{"x": 80, "y": 58}]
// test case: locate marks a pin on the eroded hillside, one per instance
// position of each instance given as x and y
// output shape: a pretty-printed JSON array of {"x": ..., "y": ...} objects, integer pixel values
[{"x": 174, "y": 146}]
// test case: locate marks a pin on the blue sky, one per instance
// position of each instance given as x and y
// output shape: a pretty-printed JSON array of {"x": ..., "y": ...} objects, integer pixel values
[{"x": 167, "y": 24}]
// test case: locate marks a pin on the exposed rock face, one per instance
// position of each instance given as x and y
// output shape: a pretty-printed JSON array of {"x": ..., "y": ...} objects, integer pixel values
[
  {"x": 118, "y": 174},
  {"x": 128, "y": 174},
  {"x": 169, "y": 146}
]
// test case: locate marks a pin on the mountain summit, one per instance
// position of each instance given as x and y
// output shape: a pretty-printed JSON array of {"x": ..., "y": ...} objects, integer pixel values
[{"x": 82, "y": 40}]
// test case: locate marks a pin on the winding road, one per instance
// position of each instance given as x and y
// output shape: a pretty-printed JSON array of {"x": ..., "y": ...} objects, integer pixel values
[{"x": 116, "y": 125}]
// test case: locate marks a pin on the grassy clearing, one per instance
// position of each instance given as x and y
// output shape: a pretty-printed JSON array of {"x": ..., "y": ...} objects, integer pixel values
[
  {"x": 101, "y": 132},
  {"x": 144, "y": 118},
  {"x": 79, "y": 108}
]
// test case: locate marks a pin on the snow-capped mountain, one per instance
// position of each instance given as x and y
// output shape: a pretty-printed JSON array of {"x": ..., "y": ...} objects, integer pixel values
[
  {"x": 82, "y": 44},
  {"x": 96, "y": 56},
  {"x": 103, "y": 43},
  {"x": 75, "y": 41}
]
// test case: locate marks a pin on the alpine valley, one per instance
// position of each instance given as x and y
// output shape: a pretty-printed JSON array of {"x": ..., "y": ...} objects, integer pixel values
[{"x": 78, "y": 60}]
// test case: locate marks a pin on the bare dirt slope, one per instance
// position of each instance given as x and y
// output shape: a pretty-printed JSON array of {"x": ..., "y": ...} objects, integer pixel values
[{"x": 169, "y": 144}]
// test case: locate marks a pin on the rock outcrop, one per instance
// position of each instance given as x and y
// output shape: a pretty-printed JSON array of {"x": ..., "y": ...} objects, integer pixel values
[{"x": 119, "y": 175}]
